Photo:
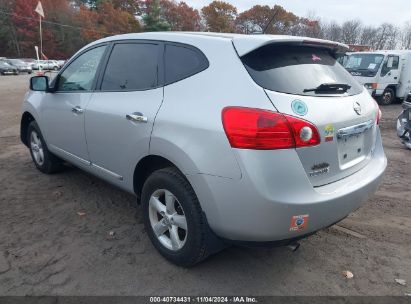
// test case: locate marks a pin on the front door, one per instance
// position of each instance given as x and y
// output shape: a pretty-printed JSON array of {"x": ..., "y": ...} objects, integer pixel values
[
  {"x": 120, "y": 115},
  {"x": 63, "y": 111},
  {"x": 390, "y": 71}
]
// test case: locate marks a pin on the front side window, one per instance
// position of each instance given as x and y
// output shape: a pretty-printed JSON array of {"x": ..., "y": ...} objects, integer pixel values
[
  {"x": 80, "y": 74},
  {"x": 182, "y": 62},
  {"x": 132, "y": 67},
  {"x": 297, "y": 70},
  {"x": 391, "y": 63}
]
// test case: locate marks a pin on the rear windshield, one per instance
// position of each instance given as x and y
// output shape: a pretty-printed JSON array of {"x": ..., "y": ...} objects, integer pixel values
[{"x": 293, "y": 69}]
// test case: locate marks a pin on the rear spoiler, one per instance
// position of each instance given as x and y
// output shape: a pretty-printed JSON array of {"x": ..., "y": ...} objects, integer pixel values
[{"x": 246, "y": 44}]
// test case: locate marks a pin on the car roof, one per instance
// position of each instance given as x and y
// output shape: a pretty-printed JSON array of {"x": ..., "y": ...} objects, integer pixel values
[{"x": 244, "y": 44}]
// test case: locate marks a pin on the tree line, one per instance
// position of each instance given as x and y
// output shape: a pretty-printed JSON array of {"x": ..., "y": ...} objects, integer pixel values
[{"x": 70, "y": 24}]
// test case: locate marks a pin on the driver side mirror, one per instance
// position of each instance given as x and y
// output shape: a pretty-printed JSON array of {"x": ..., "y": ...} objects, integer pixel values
[{"x": 39, "y": 83}]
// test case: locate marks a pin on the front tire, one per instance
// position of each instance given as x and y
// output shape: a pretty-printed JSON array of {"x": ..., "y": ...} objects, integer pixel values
[
  {"x": 173, "y": 218},
  {"x": 388, "y": 97},
  {"x": 43, "y": 159}
]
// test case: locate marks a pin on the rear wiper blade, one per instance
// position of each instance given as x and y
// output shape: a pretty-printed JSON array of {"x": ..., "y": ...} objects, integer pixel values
[{"x": 330, "y": 87}]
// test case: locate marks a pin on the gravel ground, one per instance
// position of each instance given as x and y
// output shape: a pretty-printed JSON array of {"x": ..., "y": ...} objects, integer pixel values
[{"x": 47, "y": 248}]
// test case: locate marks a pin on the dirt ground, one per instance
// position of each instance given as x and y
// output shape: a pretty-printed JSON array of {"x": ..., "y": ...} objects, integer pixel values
[{"x": 47, "y": 248}]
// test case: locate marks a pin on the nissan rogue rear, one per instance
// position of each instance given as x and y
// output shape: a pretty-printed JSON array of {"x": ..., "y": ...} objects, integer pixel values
[{"x": 223, "y": 138}]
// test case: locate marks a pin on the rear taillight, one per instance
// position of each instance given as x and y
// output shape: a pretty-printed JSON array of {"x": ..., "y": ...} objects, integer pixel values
[
  {"x": 248, "y": 128},
  {"x": 379, "y": 114}
]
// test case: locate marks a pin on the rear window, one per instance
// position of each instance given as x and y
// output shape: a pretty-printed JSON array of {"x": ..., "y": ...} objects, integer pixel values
[
  {"x": 293, "y": 69},
  {"x": 182, "y": 62}
]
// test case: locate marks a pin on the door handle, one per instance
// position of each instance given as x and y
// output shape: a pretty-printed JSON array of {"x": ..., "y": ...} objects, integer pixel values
[
  {"x": 395, "y": 78},
  {"x": 136, "y": 117},
  {"x": 77, "y": 110}
]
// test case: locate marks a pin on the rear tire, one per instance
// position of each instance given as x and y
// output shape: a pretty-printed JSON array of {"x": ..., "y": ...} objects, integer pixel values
[
  {"x": 195, "y": 242},
  {"x": 43, "y": 159},
  {"x": 388, "y": 97}
]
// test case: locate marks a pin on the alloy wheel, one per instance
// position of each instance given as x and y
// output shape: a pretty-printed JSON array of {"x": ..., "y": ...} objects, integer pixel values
[
  {"x": 37, "y": 148},
  {"x": 167, "y": 219}
]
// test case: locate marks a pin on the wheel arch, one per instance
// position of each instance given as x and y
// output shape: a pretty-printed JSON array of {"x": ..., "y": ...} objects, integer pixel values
[
  {"x": 392, "y": 87},
  {"x": 26, "y": 119},
  {"x": 146, "y": 166}
]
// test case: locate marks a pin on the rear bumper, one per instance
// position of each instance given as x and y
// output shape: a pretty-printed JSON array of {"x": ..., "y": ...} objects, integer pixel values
[{"x": 261, "y": 205}]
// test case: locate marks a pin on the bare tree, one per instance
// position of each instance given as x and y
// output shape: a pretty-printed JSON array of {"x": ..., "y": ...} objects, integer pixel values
[
  {"x": 351, "y": 31},
  {"x": 393, "y": 41},
  {"x": 406, "y": 36},
  {"x": 332, "y": 31},
  {"x": 384, "y": 36},
  {"x": 368, "y": 36}
]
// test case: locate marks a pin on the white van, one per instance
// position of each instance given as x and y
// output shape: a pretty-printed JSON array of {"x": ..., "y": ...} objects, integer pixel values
[{"x": 386, "y": 74}]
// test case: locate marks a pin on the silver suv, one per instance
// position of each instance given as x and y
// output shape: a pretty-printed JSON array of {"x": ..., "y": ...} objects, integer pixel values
[{"x": 223, "y": 138}]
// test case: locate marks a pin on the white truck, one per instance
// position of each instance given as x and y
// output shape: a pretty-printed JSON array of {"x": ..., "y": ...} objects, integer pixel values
[{"x": 385, "y": 74}]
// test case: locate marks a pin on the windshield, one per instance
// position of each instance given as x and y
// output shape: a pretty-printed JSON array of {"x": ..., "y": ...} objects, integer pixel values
[
  {"x": 364, "y": 64},
  {"x": 298, "y": 70}
]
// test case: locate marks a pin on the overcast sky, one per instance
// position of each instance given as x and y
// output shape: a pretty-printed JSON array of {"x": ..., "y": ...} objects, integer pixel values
[{"x": 372, "y": 12}]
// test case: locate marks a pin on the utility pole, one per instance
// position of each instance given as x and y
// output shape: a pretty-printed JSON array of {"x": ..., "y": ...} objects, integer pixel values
[{"x": 39, "y": 10}]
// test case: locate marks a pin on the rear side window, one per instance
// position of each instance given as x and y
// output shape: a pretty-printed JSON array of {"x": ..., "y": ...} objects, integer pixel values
[
  {"x": 182, "y": 62},
  {"x": 293, "y": 69},
  {"x": 131, "y": 67}
]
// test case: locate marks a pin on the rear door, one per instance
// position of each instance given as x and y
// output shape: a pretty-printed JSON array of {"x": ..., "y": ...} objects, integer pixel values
[
  {"x": 121, "y": 112},
  {"x": 345, "y": 118}
]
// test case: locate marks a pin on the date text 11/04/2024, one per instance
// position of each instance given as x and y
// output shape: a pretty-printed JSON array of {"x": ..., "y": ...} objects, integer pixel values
[{"x": 206, "y": 299}]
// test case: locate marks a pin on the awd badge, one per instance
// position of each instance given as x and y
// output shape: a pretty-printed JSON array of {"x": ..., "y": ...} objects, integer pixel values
[
  {"x": 299, "y": 107},
  {"x": 319, "y": 169}
]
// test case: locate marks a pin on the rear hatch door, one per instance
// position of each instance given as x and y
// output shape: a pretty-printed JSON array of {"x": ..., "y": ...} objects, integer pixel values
[
  {"x": 297, "y": 80},
  {"x": 347, "y": 139}
]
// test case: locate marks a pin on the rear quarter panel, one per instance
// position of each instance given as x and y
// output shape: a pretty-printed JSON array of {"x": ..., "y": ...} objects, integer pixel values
[{"x": 188, "y": 129}]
